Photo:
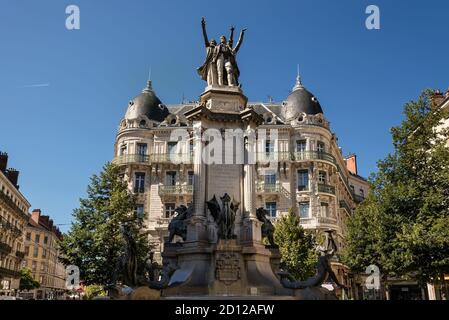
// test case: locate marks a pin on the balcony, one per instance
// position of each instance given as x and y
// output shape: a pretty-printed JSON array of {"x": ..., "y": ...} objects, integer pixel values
[
  {"x": 8, "y": 201},
  {"x": 5, "y": 248},
  {"x": 324, "y": 188},
  {"x": 172, "y": 158},
  {"x": 153, "y": 158},
  {"x": 345, "y": 205},
  {"x": 317, "y": 221},
  {"x": 312, "y": 155},
  {"x": 358, "y": 198},
  {"x": 174, "y": 190},
  {"x": 8, "y": 273},
  {"x": 15, "y": 232},
  {"x": 268, "y": 188},
  {"x": 326, "y": 220},
  {"x": 131, "y": 158}
]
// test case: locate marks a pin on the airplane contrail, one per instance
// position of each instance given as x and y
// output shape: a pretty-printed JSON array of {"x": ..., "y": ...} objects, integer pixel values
[{"x": 37, "y": 85}]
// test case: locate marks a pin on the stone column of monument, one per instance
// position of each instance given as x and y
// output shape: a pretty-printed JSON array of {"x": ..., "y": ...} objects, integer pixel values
[
  {"x": 197, "y": 226},
  {"x": 235, "y": 264},
  {"x": 251, "y": 231}
]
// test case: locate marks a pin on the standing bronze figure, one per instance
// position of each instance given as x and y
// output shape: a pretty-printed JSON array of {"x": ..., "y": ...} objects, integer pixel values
[
  {"x": 324, "y": 269},
  {"x": 267, "y": 226},
  {"x": 220, "y": 66}
]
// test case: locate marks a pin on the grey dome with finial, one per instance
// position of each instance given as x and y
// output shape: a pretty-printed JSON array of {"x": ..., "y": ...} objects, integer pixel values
[
  {"x": 148, "y": 104},
  {"x": 300, "y": 101}
]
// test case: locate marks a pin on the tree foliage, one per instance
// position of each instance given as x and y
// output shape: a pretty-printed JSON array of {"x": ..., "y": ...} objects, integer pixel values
[
  {"x": 94, "y": 242},
  {"x": 94, "y": 290},
  {"x": 296, "y": 246},
  {"x": 402, "y": 226},
  {"x": 26, "y": 280}
]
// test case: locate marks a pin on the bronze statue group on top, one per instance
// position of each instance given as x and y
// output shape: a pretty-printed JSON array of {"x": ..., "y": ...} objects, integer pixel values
[{"x": 220, "y": 67}]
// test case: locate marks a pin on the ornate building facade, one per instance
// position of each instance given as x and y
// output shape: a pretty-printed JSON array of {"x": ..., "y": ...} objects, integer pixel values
[
  {"x": 41, "y": 257},
  {"x": 310, "y": 175},
  {"x": 13, "y": 219}
]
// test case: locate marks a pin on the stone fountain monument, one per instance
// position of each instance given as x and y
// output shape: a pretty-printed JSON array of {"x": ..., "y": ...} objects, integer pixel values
[{"x": 222, "y": 253}]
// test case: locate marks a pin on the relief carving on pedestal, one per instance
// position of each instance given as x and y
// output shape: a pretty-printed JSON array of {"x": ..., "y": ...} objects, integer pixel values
[{"x": 227, "y": 267}]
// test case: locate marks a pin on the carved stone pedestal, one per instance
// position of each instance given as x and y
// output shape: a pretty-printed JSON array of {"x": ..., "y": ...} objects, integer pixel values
[
  {"x": 224, "y": 269},
  {"x": 224, "y": 99}
]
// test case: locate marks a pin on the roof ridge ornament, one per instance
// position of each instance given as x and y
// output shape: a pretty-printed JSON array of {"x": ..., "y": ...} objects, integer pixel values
[
  {"x": 298, "y": 84},
  {"x": 149, "y": 87}
]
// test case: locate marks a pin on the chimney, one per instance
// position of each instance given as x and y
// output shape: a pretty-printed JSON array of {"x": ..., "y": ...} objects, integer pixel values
[
  {"x": 3, "y": 161},
  {"x": 351, "y": 163},
  {"x": 35, "y": 215},
  {"x": 13, "y": 176}
]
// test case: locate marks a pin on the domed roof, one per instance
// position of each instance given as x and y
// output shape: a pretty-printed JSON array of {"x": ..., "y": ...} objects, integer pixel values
[
  {"x": 147, "y": 103},
  {"x": 300, "y": 101}
]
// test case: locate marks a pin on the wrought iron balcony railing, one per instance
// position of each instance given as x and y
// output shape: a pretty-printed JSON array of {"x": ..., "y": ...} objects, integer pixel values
[
  {"x": 154, "y": 158},
  {"x": 312, "y": 155},
  {"x": 131, "y": 158},
  {"x": 8, "y": 273},
  {"x": 6, "y": 225},
  {"x": 326, "y": 220},
  {"x": 176, "y": 189},
  {"x": 6, "y": 199},
  {"x": 268, "y": 187},
  {"x": 172, "y": 158},
  {"x": 324, "y": 188},
  {"x": 318, "y": 220},
  {"x": 5, "y": 248},
  {"x": 344, "y": 205},
  {"x": 295, "y": 156}
]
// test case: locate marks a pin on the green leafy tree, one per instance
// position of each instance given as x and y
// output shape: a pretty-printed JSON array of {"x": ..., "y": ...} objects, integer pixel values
[
  {"x": 402, "y": 226},
  {"x": 26, "y": 280},
  {"x": 93, "y": 291},
  {"x": 94, "y": 242},
  {"x": 296, "y": 246}
]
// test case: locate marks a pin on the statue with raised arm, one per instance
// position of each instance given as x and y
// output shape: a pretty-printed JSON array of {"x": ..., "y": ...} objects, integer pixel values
[
  {"x": 208, "y": 71},
  {"x": 323, "y": 268},
  {"x": 221, "y": 59}
]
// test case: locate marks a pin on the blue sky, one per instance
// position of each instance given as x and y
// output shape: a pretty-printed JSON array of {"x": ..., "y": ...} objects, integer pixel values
[{"x": 62, "y": 132}]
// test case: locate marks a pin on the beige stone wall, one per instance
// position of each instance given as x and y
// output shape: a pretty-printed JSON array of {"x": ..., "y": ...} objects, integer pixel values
[
  {"x": 13, "y": 218},
  {"x": 42, "y": 260}
]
